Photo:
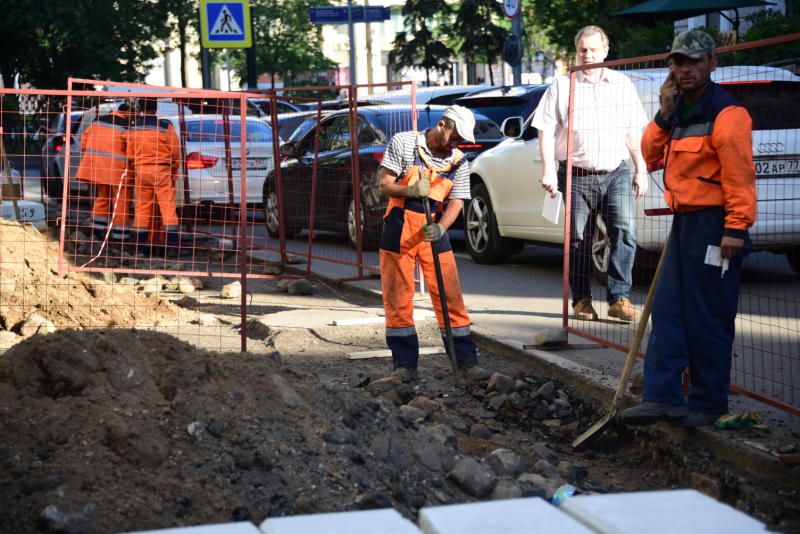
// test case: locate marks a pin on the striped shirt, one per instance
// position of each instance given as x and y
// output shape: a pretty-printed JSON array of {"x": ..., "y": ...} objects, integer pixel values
[{"x": 399, "y": 157}]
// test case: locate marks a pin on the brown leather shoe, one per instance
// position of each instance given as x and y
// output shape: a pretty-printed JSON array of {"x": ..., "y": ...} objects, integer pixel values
[
  {"x": 622, "y": 310},
  {"x": 584, "y": 311}
]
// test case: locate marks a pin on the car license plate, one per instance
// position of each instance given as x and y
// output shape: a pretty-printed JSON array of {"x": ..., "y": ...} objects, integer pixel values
[
  {"x": 252, "y": 163},
  {"x": 777, "y": 167}
]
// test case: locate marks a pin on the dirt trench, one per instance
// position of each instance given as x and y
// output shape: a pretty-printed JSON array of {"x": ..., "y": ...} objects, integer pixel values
[{"x": 116, "y": 429}]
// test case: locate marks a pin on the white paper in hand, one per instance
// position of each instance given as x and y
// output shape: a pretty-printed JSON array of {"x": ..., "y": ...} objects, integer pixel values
[{"x": 551, "y": 208}]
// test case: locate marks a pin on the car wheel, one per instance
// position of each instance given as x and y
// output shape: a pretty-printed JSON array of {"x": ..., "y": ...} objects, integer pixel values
[
  {"x": 272, "y": 216},
  {"x": 601, "y": 248},
  {"x": 484, "y": 242},
  {"x": 644, "y": 266},
  {"x": 370, "y": 238}
]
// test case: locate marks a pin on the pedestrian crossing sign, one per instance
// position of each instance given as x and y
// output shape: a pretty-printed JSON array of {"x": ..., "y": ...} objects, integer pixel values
[{"x": 225, "y": 24}]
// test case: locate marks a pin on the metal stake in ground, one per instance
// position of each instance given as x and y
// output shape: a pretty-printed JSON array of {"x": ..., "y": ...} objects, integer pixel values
[
  {"x": 622, "y": 386},
  {"x": 448, "y": 332}
]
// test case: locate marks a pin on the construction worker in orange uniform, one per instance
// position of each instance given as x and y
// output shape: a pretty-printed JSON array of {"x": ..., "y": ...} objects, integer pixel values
[
  {"x": 104, "y": 163},
  {"x": 154, "y": 150},
  {"x": 406, "y": 238}
]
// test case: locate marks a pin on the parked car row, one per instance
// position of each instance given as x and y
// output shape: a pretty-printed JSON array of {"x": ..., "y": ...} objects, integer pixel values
[
  {"x": 334, "y": 209},
  {"x": 203, "y": 154}
]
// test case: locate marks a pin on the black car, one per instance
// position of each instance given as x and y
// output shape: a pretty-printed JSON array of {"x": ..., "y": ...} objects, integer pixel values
[
  {"x": 334, "y": 207},
  {"x": 500, "y": 103}
]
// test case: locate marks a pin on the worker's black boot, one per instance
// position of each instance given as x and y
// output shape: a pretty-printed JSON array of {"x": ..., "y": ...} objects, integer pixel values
[{"x": 175, "y": 246}]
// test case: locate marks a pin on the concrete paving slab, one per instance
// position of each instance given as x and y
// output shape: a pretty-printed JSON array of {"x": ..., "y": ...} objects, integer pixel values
[
  {"x": 510, "y": 516},
  {"x": 385, "y": 521},
  {"x": 242, "y": 527},
  {"x": 660, "y": 512}
]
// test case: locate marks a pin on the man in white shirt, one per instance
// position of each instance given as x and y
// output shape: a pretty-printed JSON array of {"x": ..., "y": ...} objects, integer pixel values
[{"x": 607, "y": 123}]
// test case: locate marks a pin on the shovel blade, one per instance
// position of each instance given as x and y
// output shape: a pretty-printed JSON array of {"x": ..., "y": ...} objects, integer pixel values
[{"x": 595, "y": 428}]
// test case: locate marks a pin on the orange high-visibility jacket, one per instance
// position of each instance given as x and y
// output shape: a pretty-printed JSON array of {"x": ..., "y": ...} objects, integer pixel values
[
  {"x": 708, "y": 157},
  {"x": 104, "y": 147},
  {"x": 152, "y": 143}
]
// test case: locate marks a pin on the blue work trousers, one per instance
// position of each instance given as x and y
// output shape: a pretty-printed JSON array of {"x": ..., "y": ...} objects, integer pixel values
[
  {"x": 693, "y": 317},
  {"x": 610, "y": 195}
]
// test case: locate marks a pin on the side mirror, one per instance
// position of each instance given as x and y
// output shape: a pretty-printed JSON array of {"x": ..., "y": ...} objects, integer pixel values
[
  {"x": 287, "y": 149},
  {"x": 512, "y": 127}
]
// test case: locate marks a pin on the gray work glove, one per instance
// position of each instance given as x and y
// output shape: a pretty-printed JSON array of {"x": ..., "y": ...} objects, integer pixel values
[
  {"x": 421, "y": 188},
  {"x": 432, "y": 232}
]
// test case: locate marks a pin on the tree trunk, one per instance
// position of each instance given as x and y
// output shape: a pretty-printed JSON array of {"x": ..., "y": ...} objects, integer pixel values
[{"x": 182, "y": 48}]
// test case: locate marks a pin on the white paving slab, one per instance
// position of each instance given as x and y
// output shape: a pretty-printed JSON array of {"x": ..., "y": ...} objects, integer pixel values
[
  {"x": 385, "y": 521},
  {"x": 511, "y": 516},
  {"x": 242, "y": 527},
  {"x": 660, "y": 512}
]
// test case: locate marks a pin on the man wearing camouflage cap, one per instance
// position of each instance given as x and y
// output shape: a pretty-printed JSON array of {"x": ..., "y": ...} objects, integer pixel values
[{"x": 703, "y": 137}]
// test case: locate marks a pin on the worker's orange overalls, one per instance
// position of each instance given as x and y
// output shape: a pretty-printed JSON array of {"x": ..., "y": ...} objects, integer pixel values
[
  {"x": 401, "y": 246},
  {"x": 104, "y": 163},
  {"x": 154, "y": 151}
]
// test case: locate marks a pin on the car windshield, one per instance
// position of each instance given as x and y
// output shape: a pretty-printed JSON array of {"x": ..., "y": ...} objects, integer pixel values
[
  {"x": 213, "y": 131},
  {"x": 773, "y": 105},
  {"x": 302, "y": 128}
]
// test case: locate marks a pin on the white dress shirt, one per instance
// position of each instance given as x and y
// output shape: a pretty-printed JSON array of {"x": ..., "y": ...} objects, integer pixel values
[{"x": 604, "y": 112}]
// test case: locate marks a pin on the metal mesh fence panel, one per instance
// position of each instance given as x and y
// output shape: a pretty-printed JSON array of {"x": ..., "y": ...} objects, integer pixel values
[{"x": 762, "y": 77}]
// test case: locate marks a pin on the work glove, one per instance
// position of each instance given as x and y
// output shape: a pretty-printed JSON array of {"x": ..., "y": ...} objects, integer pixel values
[
  {"x": 421, "y": 188},
  {"x": 432, "y": 232}
]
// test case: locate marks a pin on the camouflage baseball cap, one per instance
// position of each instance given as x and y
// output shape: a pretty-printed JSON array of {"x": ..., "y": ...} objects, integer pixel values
[{"x": 693, "y": 43}]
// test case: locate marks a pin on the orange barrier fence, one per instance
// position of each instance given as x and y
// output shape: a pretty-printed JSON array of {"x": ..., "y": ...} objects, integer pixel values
[{"x": 614, "y": 253}]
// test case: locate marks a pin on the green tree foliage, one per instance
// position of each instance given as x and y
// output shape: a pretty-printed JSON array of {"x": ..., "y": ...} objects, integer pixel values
[
  {"x": 480, "y": 38},
  {"x": 184, "y": 15},
  {"x": 289, "y": 45},
  {"x": 766, "y": 24},
  {"x": 561, "y": 20},
  {"x": 421, "y": 44},
  {"x": 647, "y": 41},
  {"x": 45, "y": 42}
]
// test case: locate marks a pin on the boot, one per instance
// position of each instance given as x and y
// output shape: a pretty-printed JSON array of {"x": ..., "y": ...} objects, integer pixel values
[
  {"x": 174, "y": 248},
  {"x": 140, "y": 243}
]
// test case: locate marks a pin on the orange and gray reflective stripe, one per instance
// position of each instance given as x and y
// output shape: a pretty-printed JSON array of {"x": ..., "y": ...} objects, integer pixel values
[
  {"x": 458, "y": 331},
  {"x": 401, "y": 332},
  {"x": 106, "y": 154},
  {"x": 99, "y": 223},
  {"x": 120, "y": 232}
]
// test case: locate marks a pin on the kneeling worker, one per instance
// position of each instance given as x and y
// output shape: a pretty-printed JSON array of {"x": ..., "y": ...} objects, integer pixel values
[{"x": 407, "y": 238}]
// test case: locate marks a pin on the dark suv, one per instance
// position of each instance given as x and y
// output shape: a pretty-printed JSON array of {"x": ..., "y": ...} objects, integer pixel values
[{"x": 500, "y": 103}]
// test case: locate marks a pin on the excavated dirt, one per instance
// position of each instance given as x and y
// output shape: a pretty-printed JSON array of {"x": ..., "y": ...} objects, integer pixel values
[{"x": 106, "y": 430}]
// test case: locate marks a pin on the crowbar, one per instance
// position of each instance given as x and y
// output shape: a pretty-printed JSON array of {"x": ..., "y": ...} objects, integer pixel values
[
  {"x": 622, "y": 386},
  {"x": 448, "y": 332}
]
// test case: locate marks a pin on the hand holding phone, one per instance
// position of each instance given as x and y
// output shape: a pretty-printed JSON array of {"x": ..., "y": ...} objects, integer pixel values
[{"x": 670, "y": 91}]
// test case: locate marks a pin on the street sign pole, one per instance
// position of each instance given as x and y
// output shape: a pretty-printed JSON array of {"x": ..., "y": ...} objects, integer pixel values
[
  {"x": 351, "y": 32},
  {"x": 516, "y": 29}
]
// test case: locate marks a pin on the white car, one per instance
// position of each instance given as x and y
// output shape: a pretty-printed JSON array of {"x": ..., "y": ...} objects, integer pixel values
[
  {"x": 506, "y": 206},
  {"x": 207, "y": 161}
]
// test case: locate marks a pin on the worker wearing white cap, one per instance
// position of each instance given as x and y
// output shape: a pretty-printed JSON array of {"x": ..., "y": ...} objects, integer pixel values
[{"x": 416, "y": 168}]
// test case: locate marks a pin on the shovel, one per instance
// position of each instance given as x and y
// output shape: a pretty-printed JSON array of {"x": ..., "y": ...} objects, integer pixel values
[
  {"x": 622, "y": 386},
  {"x": 449, "y": 346}
]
